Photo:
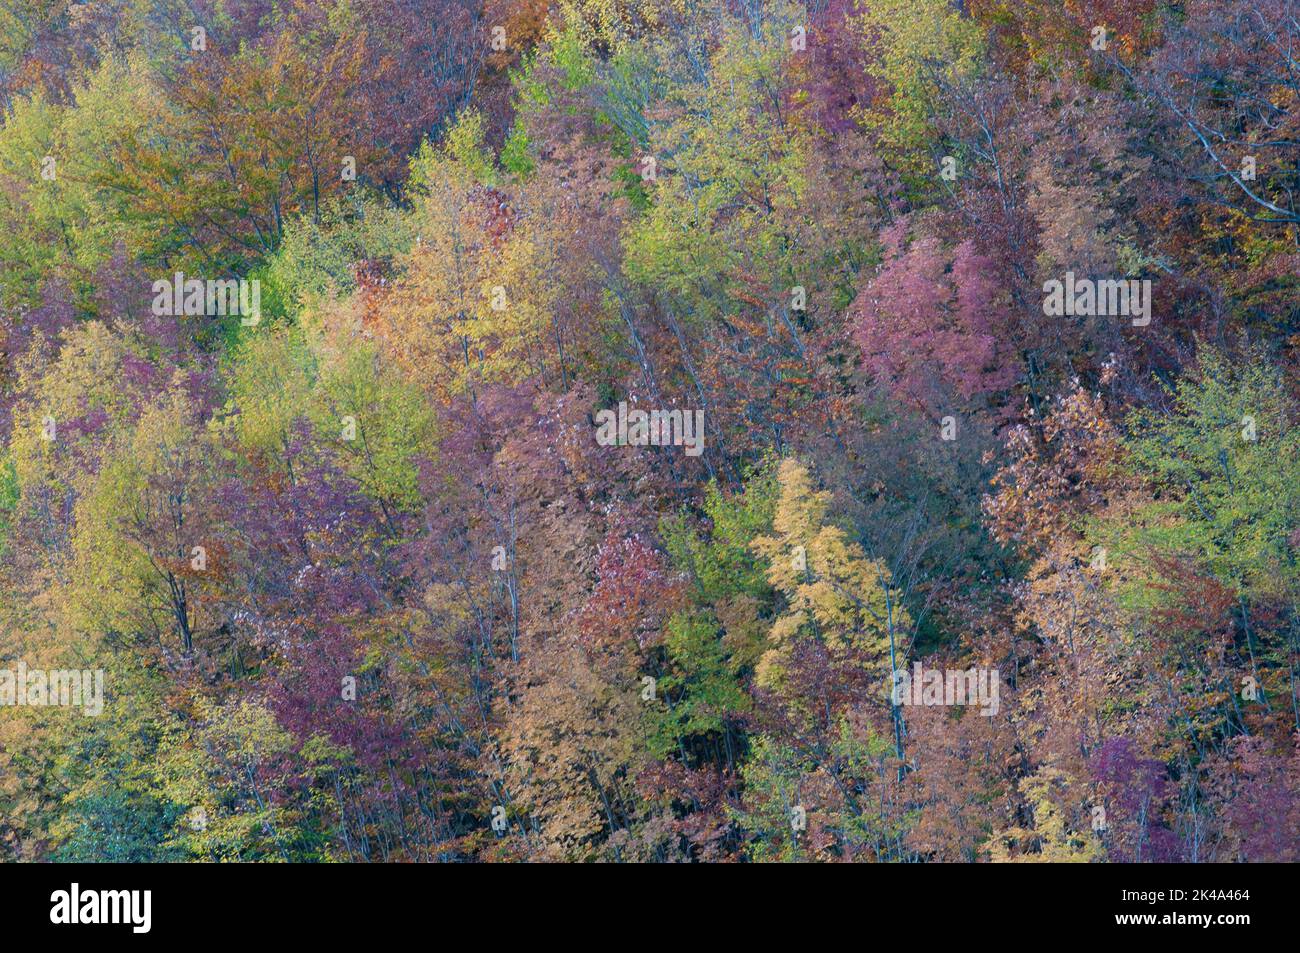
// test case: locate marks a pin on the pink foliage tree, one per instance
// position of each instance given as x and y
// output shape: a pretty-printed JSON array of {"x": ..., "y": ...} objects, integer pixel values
[{"x": 933, "y": 322}]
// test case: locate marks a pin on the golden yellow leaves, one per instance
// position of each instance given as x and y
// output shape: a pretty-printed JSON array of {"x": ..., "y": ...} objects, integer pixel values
[{"x": 833, "y": 591}]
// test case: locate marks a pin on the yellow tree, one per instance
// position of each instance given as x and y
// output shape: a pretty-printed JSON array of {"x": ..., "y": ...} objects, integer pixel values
[
  {"x": 1051, "y": 837},
  {"x": 475, "y": 301},
  {"x": 834, "y": 592},
  {"x": 143, "y": 540}
]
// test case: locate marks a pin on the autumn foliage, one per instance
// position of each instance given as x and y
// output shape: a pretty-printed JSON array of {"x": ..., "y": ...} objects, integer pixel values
[{"x": 366, "y": 584}]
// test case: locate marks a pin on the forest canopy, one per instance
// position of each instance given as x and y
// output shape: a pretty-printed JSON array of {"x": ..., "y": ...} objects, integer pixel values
[{"x": 649, "y": 430}]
